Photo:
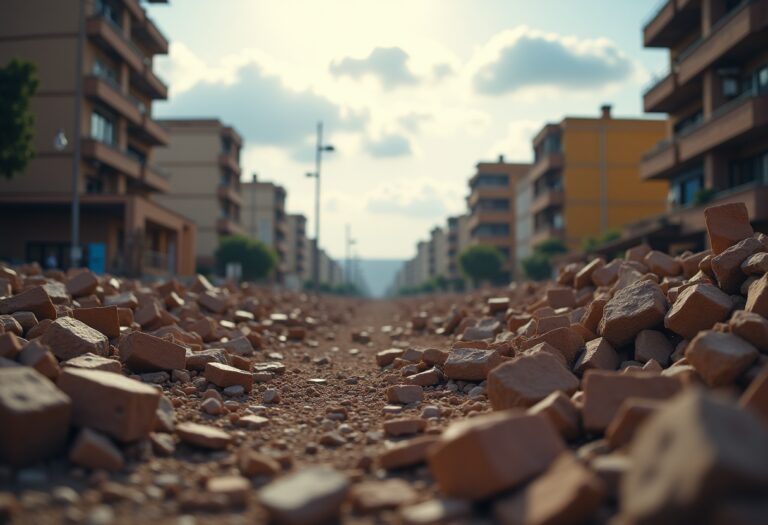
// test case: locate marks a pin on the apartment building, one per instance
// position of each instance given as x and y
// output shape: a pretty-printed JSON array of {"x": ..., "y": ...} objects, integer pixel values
[
  {"x": 438, "y": 253},
  {"x": 298, "y": 258},
  {"x": 715, "y": 92},
  {"x": 523, "y": 222},
  {"x": 203, "y": 160},
  {"x": 263, "y": 217},
  {"x": 585, "y": 179},
  {"x": 111, "y": 79},
  {"x": 457, "y": 240},
  {"x": 491, "y": 205}
]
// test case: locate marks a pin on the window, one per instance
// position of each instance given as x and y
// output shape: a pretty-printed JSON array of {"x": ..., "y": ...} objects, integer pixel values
[
  {"x": 493, "y": 205},
  {"x": 136, "y": 154},
  {"x": 105, "y": 72},
  {"x": 108, "y": 10},
  {"x": 488, "y": 180},
  {"x": 683, "y": 189},
  {"x": 688, "y": 122},
  {"x": 491, "y": 230},
  {"x": 751, "y": 169},
  {"x": 102, "y": 128},
  {"x": 94, "y": 185}
]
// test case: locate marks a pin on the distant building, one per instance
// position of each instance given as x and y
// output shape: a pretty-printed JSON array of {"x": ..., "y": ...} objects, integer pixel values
[
  {"x": 458, "y": 240},
  {"x": 523, "y": 222},
  {"x": 298, "y": 269},
  {"x": 264, "y": 218},
  {"x": 438, "y": 253},
  {"x": 491, "y": 204},
  {"x": 585, "y": 179},
  {"x": 716, "y": 94},
  {"x": 203, "y": 159},
  {"x": 123, "y": 228}
]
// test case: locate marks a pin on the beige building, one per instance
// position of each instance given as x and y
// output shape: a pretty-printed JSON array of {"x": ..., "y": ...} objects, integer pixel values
[
  {"x": 203, "y": 160},
  {"x": 297, "y": 252},
  {"x": 491, "y": 205},
  {"x": 438, "y": 253},
  {"x": 264, "y": 218},
  {"x": 123, "y": 228},
  {"x": 458, "y": 241}
]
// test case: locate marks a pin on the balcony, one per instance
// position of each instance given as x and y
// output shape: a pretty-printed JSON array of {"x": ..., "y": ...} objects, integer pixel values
[
  {"x": 664, "y": 93},
  {"x": 547, "y": 199},
  {"x": 553, "y": 161},
  {"x": 108, "y": 35},
  {"x": 659, "y": 161},
  {"x": 670, "y": 22},
  {"x": 112, "y": 95},
  {"x": 229, "y": 162},
  {"x": 155, "y": 178},
  {"x": 110, "y": 156},
  {"x": 153, "y": 132},
  {"x": 226, "y": 226},
  {"x": 544, "y": 233},
  {"x": 740, "y": 33},
  {"x": 226, "y": 192},
  {"x": 736, "y": 120}
]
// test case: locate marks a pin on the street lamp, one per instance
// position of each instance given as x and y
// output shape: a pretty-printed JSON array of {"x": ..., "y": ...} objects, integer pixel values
[{"x": 318, "y": 161}]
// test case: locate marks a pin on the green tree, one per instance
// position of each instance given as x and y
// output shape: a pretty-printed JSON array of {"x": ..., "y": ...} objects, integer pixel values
[
  {"x": 18, "y": 83},
  {"x": 255, "y": 258},
  {"x": 481, "y": 263},
  {"x": 551, "y": 247},
  {"x": 536, "y": 267}
]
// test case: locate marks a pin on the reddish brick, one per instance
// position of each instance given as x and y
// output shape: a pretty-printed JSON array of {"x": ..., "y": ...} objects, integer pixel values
[
  {"x": 632, "y": 413},
  {"x": 146, "y": 353},
  {"x": 213, "y": 302},
  {"x": 755, "y": 397},
  {"x": 95, "y": 451},
  {"x": 407, "y": 453},
  {"x": 10, "y": 346},
  {"x": 105, "y": 319},
  {"x": 727, "y": 224},
  {"x": 546, "y": 324},
  {"x": 718, "y": 357},
  {"x": 224, "y": 375},
  {"x": 94, "y": 362},
  {"x": 527, "y": 379},
  {"x": 404, "y": 426},
  {"x": 583, "y": 277},
  {"x": 70, "y": 338},
  {"x": 84, "y": 283},
  {"x": 148, "y": 315},
  {"x": 470, "y": 364},
  {"x": 598, "y": 355},
  {"x": 561, "y": 412},
  {"x": 27, "y": 320},
  {"x": 652, "y": 345},
  {"x": 751, "y": 327},
  {"x": 39, "y": 357},
  {"x": 757, "y": 297},
  {"x": 203, "y": 436},
  {"x": 488, "y": 454},
  {"x": 662, "y": 264},
  {"x": 35, "y": 300},
  {"x": 310, "y": 496},
  {"x": 561, "y": 297},
  {"x": 635, "y": 308},
  {"x": 111, "y": 403},
  {"x": 606, "y": 275},
  {"x": 697, "y": 308},
  {"x": 727, "y": 265},
  {"x": 35, "y": 416},
  {"x": 566, "y": 340},
  {"x": 405, "y": 394}
]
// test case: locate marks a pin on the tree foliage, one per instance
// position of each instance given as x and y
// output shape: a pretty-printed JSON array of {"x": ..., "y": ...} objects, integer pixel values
[
  {"x": 481, "y": 263},
  {"x": 550, "y": 247},
  {"x": 255, "y": 258},
  {"x": 18, "y": 83},
  {"x": 536, "y": 267}
]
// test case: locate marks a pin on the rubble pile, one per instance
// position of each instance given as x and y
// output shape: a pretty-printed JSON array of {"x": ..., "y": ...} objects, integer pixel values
[{"x": 631, "y": 391}]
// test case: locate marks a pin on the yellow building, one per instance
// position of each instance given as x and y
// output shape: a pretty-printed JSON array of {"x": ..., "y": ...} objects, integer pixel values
[{"x": 585, "y": 178}]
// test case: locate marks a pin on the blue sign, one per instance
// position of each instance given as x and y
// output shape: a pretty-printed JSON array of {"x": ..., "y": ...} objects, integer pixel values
[{"x": 97, "y": 257}]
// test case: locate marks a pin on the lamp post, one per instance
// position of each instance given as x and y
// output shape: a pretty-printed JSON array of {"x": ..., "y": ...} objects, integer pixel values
[
  {"x": 75, "y": 253},
  {"x": 347, "y": 267},
  {"x": 318, "y": 161}
]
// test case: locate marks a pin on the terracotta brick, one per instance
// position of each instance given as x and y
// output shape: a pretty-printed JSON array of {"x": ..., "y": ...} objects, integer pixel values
[
  {"x": 404, "y": 426},
  {"x": 591, "y": 318},
  {"x": 568, "y": 493},
  {"x": 35, "y": 417},
  {"x": 213, "y": 302},
  {"x": 70, "y": 338},
  {"x": 755, "y": 397},
  {"x": 691, "y": 262},
  {"x": 652, "y": 345},
  {"x": 148, "y": 315},
  {"x": 632, "y": 413},
  {"x": 498, "y": 304},
  {"x": 111, "y": 403},
  {"x": 561, "y": 297},
  {"x": 527, "y": 379},
  {"x": 635, "y": 308},
  {"x": 94, "y": 362},
  {"x": 561, "y": 412},
  {"x": 434, "y": 356},
  {"x": 203, "y": 436},
  {"x": 697, "y": 308},
  {"x": 546, "y": 324},
  {"x": 405, "y": 394},
  {"x": 470, "y": 364},
  {"x": 566, "y": 340},
  {"x": 84, "y": 283},
  {"x": 751, "y": 327},
  {"x": 662, "y": 264},
  {"x": 583, "y": 277},
  {"x": 239, "y": 345},
  {"x": 545, "y": 347},
  {"x": 10, "y": 345},
  {"x": 727, "y": 224},
  {"x": 757, "y": 297},
  {"x": 122, "y": 300},
  {"x": 312, "y": 495},
  {"x": 38, "y": 356},
  {"x": 691, "y": 443},
  {"x": 95, "y": 451},
  {"x": 604, "y": 392},
  {"x": 35, "y": 300},
  {"x": 125, "y": 316},
  {"x": 720, "y": 358},
  {"x": 598, "y": 355},
  {"x": 429, "y": 377},
  {"x": 606, "y": 275},
  {"x": 198, "y": 360},
  {"x": 406, "y": 453},
  {"x": 485, "y": 455},
  {"x": 252, "y": 463},
  {"x": 27, "y": 320},
  {"x": 727, "y": 265},
  {"x": 142, "y": 352},
  {"x": 9, "y": 324},
  {"x": 756, "y": 264},
  {"x": 105, "y": 319},
  {"x": 224, "y": 375},
  {"x": 637, "y": 253}
]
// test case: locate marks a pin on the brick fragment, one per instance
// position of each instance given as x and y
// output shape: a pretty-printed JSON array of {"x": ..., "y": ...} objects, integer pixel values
[
  {"x": 561, "y": 412},
  {"x": 111, "y": 403},
  {"x": 68, "y": 338},
  {"x": 223, "y": 376},
  {"x": 470, "y": 364},
  {"x": 568, "y": 492},
  {"x": 604, "y": 392},
  {"x": 756, "y": 264},
  {"x": 485, "y": 455},
  {"x": 198, "y": 360},
  {"x": 312, "y": 495},
  {"x": 697, "y": 308},
  {"x": 95, "y": 451},
  {"x": 35, "y": 416},
  {"x": 751, "y": 327},
  {"x": 387, "y": 357},
  {"x": 105, "y": 319},
  {"x": 527, "y": 379},
  {"x": 83, "y": 283},
  {"x": 583, "y": 277},
  {"x": 727, "y": 224},
  {"x": 652, "y": 345},
  {"x": 405, "y": 394},
  {"x": 727, "y": 265},
  {"x": 27, "y": 320},
  {"x": 755, "y": 397},
  {"x": 39, "y": 357},
  {"x": 632, "y": 413},
  {"x": 566, "y": 340},
  {"x": 598, "y": 355},
  {"x": 407, "y": 453},
  {"x": 632, "y": 309},
  {"x": 691, "y": 442},
  {"x": 375, "y": 496},
  {"x": 213, "y": 302},
  {"x": 252, "y": 463},
  {"x": 662, "y": 264},
  {"x": 94, "y": 362},
  {"x": 10, "y": 346},
  {"x": 35, "y": 300},
  {"x": 561, "y": 297},
  {"x": 719, "y": 358},
  {"x": 203, "y": 436},
  {"x": 757, "y": 297},
  {"x": 142, "y": 352},
  {"x": 233, "y": 488},
  {"x": 404, "y": 426}
]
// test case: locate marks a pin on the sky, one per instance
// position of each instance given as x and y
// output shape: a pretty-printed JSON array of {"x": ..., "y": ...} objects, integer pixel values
[{"x": 412, "y": 94}]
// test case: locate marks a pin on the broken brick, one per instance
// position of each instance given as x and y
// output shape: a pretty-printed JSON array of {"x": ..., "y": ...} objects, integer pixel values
[
  {"x": 223, "y": 376},
  {"x": 527, "y": 379},
  {"x": 95, "y": 451},
  {"x": 719, "y": 358},
  {"x": 635, "y": 308},
  {"x": 142, "y": 352},
  {"x": 727, "y": 224},
  {"x": 68, "y": 338}
]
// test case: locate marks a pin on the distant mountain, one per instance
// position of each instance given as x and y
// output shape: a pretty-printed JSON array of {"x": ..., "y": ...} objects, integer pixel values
[{"x": 378, "y": 274}]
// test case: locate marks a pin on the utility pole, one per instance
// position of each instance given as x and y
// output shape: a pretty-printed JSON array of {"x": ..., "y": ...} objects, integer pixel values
[
  {"x": 318, "y": 161},
  {"x": 76, "y": 253}
]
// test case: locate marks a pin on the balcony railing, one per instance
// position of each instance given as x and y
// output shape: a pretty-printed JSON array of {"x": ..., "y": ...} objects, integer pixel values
[
  {"x": 658, "y": 7},
  {"x": 712, "y": 30}
]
